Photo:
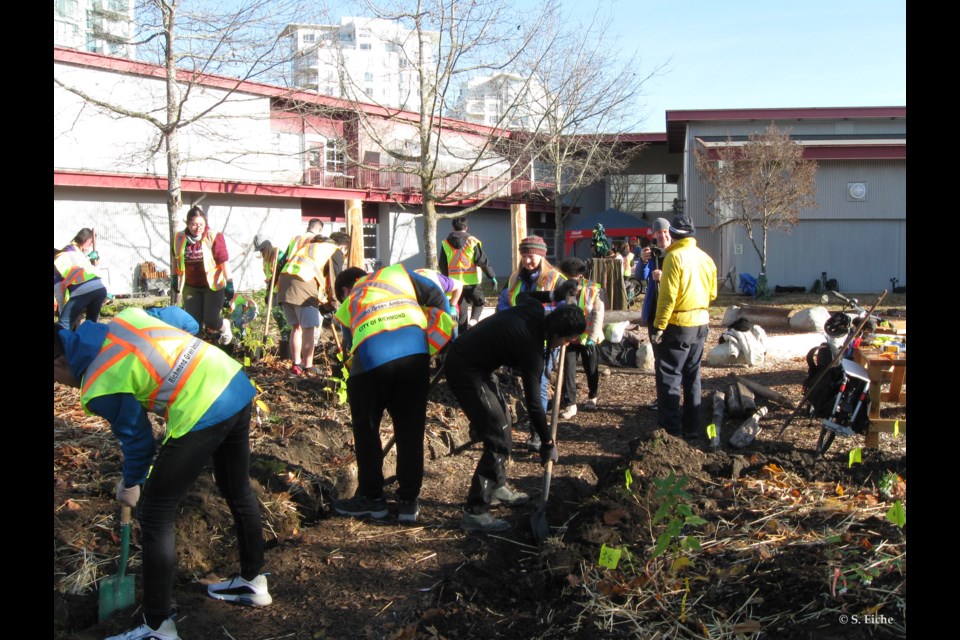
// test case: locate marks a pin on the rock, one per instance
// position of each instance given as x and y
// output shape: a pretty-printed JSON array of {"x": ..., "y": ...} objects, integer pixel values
[{"x": 811, "y": 319}]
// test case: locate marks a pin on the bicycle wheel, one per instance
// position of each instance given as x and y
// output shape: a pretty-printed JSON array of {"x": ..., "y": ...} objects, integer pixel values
[{"x": 825, "y": 440}]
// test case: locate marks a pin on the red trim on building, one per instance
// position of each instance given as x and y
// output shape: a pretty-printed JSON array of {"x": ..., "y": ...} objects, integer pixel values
[{"x": 845, "y": 152}]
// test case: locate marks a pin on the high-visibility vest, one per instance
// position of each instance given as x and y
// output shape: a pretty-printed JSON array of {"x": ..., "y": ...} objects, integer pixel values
[
  {"x": 75, "y": 268},
  {"x": 216, "y": 273},
  {"x": 548, "y": 280},
  {"x": 385, "y": 301},
  {"x": 307, "y": 264},
  {"x": 628, "y": 265},
  {"x": 299, "y": 242},
  {"x": 170, "y": 372},
  {"x": 460, "y": 264},
  {"x": 589, "y": 293},
  {"x": 434, "y": 276}
]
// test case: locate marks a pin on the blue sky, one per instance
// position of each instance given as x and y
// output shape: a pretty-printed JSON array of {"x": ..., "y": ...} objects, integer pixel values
[{"x": 772, "y": 53}]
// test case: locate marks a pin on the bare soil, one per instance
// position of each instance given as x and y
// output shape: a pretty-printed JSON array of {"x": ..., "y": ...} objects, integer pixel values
[{"x": 792, "y": 541}]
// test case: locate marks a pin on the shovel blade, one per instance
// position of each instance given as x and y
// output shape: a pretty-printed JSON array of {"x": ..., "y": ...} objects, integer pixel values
[
  {"x": 116, "y": 594},
  {"x": 539, "y": 525}
]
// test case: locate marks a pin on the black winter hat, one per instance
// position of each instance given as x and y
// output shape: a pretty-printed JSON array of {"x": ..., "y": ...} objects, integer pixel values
[{"x": 682, "y": 227}]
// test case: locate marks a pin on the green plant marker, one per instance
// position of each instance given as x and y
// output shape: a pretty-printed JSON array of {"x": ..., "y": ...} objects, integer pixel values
[
  {"x": 629, "y": 478},
  {"x": 896, "y": 514},
  {"x": 609, "y": 556},
  {"x": 712, "y": 430},
  {"x": 855, "y": 456},
  {"x": 246, "y": 361},
  {"x": 896, "y": 428}
]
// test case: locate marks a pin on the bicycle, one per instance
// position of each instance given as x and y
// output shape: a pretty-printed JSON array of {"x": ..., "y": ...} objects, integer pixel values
[{"x": 729, "y": 280}]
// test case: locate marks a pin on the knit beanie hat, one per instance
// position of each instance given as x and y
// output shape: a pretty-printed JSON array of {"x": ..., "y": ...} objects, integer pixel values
[
  {"x": 533, "y": 245},
  {"x": 681, "y": 227},
  {"x": 660, "y": 224},
  {"x": 260, "y": 243}
]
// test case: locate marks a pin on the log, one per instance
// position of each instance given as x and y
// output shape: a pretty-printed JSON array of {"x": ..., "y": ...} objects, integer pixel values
[
  {"x": 633, "y": 317},
  {"x": 766, "y": 392}
]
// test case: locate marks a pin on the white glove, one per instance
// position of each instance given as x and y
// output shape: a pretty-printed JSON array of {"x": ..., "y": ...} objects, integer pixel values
[{"x": 128, "y": 495}]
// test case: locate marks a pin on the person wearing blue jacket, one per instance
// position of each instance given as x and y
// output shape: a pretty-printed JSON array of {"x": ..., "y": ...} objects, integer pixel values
[
  {"x": 149, "y": 361},
  {"x": 649, "y": 270}
]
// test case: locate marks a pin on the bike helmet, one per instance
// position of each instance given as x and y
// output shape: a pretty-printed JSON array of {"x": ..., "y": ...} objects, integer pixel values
[{"x": 837, "y": 325}]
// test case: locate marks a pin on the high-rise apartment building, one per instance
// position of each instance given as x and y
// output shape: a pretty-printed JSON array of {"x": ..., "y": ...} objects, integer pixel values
[
  {"x": 504, "y": 100},
  {"x": 99, "y": 26},
  {"x": 363, "y": 59}
]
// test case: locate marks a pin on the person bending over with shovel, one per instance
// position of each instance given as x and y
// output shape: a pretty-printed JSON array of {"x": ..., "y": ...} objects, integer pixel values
[
  {"x": 150, "y": 361},
  {"x": 519, "y": 337}
]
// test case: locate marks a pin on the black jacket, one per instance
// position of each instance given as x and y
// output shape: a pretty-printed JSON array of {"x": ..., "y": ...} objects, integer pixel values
[{"x": 457, "y": 240}]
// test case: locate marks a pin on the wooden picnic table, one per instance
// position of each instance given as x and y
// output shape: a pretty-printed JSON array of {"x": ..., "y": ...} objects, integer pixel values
[{"x": 881, "y": 368}]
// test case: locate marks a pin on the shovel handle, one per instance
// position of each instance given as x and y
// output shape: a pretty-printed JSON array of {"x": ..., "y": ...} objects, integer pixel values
[
  {"x": 124, "y": 539},
  {"x": 554, "y": 418}
]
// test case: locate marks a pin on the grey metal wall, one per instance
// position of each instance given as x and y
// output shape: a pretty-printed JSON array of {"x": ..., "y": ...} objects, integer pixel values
[{"x": 886, "y": 198}]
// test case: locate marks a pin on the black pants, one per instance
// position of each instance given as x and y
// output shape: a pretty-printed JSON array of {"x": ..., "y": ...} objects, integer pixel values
[
  {"x": 174, "y": 471},
  {"x": 400, "y": 388},
  {"x": 680, "y": 352},
  {"x": 591, "y": 367},
  {"x": 479, "y": 397},
  {"x": 472, "y": 297}
]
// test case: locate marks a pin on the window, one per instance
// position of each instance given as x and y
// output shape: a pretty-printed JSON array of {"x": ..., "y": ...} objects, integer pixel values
[
  {"x": 642, "y": 193},
  {"x": 309, "y": 37},
  {"x": 368, "y": 77},
  {"x": 65, "y": 7},
  {"x": 335, "y": 155},
  {"x": 365, "y": 46},
  {"x": 119, "y": 6}
]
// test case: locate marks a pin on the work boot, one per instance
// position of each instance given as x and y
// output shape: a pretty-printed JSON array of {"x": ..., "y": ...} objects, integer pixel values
[
  {"x": 252, "y": 593},
  {"x": 533, "y": 444},
  {"x": 359, "y": 506},
  {"x": 505, "y": 494},
  {"x": 408, "y": 510},
  {"x": 482, "y": 522},
  {"x": 166, "y": 631}
]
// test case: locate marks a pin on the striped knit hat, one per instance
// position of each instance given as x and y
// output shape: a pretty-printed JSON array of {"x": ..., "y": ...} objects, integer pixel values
[{"x": 533, "y": 245}]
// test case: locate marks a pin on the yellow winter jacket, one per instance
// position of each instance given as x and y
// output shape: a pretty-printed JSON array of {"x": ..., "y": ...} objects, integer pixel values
[{"x": 688, "y": 285}]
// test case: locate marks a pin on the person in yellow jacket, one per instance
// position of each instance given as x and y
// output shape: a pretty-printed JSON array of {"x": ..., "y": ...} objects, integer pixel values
[
  {"x": 688, "y": 284},
  {"x": 202, "y": 268},
  {"x": 392, "y": 319},
  {"x": 303, "y": 287},
  {"x": 150, "y": 361},
  {"x": 77, "y": 289}
]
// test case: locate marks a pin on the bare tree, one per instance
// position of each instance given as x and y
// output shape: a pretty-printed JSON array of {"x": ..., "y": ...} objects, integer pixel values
[
  {"x": 760, "y": 185},
  {"x": 590, "y": 98},
  {"x": 448, "y": 42},
  {"x": 193, "y": 41}
]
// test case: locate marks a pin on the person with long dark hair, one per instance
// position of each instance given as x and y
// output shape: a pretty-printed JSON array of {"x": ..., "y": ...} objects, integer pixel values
[{"x": 202, "y": 270}]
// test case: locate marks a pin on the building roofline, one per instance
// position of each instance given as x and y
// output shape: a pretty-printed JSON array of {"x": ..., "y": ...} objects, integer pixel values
[
  {"x": 678, "y": 120},
  {"x": 125, "y": 65}
]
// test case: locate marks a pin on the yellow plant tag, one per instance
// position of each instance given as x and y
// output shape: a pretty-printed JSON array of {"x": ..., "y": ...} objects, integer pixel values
[
  {"x": 712, "y": 430},
  {"x": 263, "y": 406},
  {"x": 629, "y": 478},
  {"x": 609, "y": 556},
  {"x": 246, "y": 361},
  {"x": 855, "y": 456},
  {"x": 896, "y": 428}
]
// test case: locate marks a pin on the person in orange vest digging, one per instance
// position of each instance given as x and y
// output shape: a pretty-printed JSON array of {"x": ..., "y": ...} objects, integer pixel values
[
  {"x": 150, "y": 361},
  {"x": 303, "y": 287},
  {"x": 394, "y": 319},
  {"x": 462, "y": 258}
]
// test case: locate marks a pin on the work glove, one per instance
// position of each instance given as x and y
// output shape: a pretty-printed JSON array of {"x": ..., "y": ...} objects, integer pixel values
[
  {"x": 548, "y": 452},
  {"x": 590, "y": 342},
  {"x": 656, "y": 338},
  {"x": 128, "y": 495},
  {"x": 230, "y": 290},
  {"x": 93, "y": 255},
  {"x": 496, "y": 285}
]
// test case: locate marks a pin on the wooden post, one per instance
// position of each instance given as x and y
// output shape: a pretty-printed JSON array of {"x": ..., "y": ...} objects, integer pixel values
[
  {"x": 353, "y": 212},
  {"x": 518, "y": 231}
]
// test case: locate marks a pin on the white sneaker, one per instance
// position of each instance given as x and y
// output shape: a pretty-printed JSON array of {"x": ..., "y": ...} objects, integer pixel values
[
  {"x": 253, "y": 593},
  {"x": 167, "y": 631},
  {"x": 226, "y": 333},
  {"x": 505, "y": 494},
  {"x": 569, "y": 412}
]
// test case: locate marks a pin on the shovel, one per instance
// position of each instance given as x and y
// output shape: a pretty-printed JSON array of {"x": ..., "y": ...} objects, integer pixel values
[
  {"x": 117, "y": 592},
  {"x": 538, "y": 521}
]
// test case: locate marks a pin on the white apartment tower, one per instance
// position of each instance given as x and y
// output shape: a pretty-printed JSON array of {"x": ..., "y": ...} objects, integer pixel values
[
  {"x": 99, "y": 26},
  {"x": 503, "y": 100},
  {"x": 364, "y": 59}
]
